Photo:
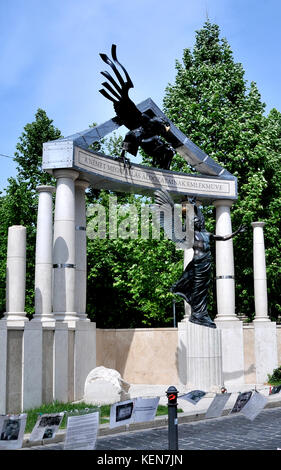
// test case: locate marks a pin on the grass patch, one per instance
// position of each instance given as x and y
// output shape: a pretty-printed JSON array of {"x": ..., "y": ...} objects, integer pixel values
[
  {"x": 163, "y": 410},
  {"x": 57, "y": 407}
]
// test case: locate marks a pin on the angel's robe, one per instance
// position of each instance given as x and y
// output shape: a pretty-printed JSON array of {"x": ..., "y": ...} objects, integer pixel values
[{"x": 195, "y": 280}]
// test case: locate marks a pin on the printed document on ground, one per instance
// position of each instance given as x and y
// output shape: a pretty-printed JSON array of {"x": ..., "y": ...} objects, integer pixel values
[
  {"x": 46, "y": 426},
  {"x": 81, "y": 432}
]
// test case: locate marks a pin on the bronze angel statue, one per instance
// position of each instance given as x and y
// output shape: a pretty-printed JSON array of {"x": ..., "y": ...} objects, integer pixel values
[
  {"x": 193, "y": 285},
  {"x": 145, "y": 130}
]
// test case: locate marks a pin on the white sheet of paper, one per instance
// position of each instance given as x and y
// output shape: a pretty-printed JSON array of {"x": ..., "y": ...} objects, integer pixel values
[
  {"x": 121, "y": 413},
  {"x": 193, "y": 397},
  {"x": 145, "y": 409},
  {"x": 254, "y": 406},
  {"x": 46, "y": 426},
  {"x": 81, "y": 432},
  {"x": 12, "y": 431},
  {"x": 216, "y": 407}
]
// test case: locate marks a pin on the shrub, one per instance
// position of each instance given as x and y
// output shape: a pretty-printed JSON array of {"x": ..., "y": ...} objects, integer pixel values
[{"x": 275, "y": 377}]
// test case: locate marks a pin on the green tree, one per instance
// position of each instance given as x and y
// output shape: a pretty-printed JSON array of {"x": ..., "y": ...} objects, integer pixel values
[
  {"x": 129, "y": 279},
  {"x": 19, "y": 204},
  {"x": 212, "y": 103}
]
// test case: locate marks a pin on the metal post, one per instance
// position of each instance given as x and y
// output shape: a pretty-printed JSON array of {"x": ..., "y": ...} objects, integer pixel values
[
  {"x": 172, "y": 394},
  {"x": 174, "y": 313}
]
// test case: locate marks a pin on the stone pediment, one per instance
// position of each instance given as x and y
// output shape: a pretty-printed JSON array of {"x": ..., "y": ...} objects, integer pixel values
[{"x": 102, "y": 171}]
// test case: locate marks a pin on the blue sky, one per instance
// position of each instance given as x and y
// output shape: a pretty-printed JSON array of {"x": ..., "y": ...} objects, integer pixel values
[{"x": 49, "y": 55}]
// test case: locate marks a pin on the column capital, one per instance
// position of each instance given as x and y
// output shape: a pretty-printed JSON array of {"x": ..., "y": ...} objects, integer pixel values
[
  {"x": 257, "y": 224},
  {"x": 81, "y": 184},
  {"x": 66, "y": 173},
  {"x": 45, "y": 188},
  {"x": 223, "y": 202}
]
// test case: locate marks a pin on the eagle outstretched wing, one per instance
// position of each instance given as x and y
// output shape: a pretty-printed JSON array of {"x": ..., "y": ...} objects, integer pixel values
[
  {"x": 126, "y": 110},
  {"x": 170, "y": 219},
  {"x": 144, "y": 130}
]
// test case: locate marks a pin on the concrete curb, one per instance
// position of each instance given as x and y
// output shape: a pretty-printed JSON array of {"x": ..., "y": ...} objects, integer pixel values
[{"x": 159, "y": 421}]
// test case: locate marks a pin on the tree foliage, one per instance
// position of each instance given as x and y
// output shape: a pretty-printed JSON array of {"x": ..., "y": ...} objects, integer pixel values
[
  {"x": 214, "y": 106},
  {"x": 129, "y": 279},
  {"x": 19, "y": 205}
]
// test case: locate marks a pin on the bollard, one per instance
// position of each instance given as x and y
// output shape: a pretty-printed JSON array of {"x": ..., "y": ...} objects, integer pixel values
[{"x": 172, "y": 394}]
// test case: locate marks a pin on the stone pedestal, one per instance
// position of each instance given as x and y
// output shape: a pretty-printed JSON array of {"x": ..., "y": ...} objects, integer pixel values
[
  {"x": 61, "y": 366},
  {"x": 199, "y": 356},
  {"x": 64, "y": 247},
  {"x": 84, "y": 355},
  {"x": 48, "y": 362},
  {"x": 265, "y": 350},
  {"x": 32, "y": 366},
  {"x": 232, "y": 352},
  {"x": 3, "y": 366},
  {"x": 44, "y": 256},
  {"x": 14, "y": 362},
  {"x": 15, "y": 276}
]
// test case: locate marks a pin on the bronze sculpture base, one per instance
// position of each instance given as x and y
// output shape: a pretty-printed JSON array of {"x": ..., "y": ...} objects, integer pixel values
[
  {"x": 198, "y": 318},
  {"x": 203, "y": 320}
]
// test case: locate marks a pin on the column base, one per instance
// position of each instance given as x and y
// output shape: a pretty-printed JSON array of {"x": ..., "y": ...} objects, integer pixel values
[
  {"x": 83, "y": 317},
  {"x": 262, "y": 319},
  {"x": 47, "y": 322},
  {"x": 222, "y": 317},
  {"x": 15, "y": 319},
  {"x": 43, "y": 317},
  {"x": 66, "y": 316}
]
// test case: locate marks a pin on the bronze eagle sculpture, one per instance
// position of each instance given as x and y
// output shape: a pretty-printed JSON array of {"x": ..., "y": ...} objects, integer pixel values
[{"x": 145, "y": 129}]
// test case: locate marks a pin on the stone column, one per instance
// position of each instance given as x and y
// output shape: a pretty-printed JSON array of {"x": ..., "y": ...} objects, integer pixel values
[
  {"x": 224, "y": 263},
  {"x": 64, "y": 246},
  {"x": 15, "y": 275},
  {"x": 187, "y": 257},
  {"x": 226, "y": 320},
  {"x": 260, "y": 283},
  {"x": 265, "y": 330},
  {"x": 81, "y": 249},
  {"x": 44, "y": 256}
]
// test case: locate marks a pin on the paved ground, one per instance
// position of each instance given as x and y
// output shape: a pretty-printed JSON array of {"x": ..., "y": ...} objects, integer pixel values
[{"x": 233, "y": 432}]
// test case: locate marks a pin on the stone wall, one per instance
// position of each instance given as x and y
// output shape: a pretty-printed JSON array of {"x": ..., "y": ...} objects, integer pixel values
[
  {"x": 149, "y": 355},
  {"x": 43, "y": 364},
  {"x": 141, "y": 355}
]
